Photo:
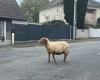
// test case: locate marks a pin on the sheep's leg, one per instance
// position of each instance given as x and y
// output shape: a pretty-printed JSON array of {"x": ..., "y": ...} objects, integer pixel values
[
  {"x": 48, "y": 57},
  {"x": 53, "y": 57},
  {"x": 65, "y": 55}
]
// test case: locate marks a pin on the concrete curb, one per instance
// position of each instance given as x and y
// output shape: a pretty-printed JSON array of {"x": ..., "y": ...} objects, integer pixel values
[{"x": 35, "y": 43}]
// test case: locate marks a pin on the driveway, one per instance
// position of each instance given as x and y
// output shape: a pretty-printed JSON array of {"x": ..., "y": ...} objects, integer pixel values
[{"x": 30, "y": 63}]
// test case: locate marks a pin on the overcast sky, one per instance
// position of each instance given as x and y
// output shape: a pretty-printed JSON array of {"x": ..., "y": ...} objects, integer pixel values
[
  {"x": 19, "y": 1},
  {"x": 97, "y": 0},
  {"x": 22, "y": 0}
]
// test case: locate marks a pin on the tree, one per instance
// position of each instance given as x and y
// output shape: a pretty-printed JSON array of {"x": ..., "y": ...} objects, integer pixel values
[
  {"x": 98, "y": 22},
  {"x": 81, "y": 11},
  {"x": 31, "y": 9},
  {"x": 55, "y": 22},
  {"x": 68, "y": 11}
]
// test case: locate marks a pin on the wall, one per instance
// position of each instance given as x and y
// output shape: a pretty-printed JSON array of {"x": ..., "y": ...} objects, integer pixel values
[
  {"x": 55, "y": 13},
  {"x": 8, "y": 29},
  {"x": 82, "y": 33},
  {"x": 97, "y": 13},
  {"x": 94, "y": 32},
  {"x": 90, "y": 17},
  {"x": 85, "y": 33}
]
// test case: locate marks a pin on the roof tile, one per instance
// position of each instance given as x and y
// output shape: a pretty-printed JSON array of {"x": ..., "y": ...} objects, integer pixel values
[{"x": 10, "y": 9}]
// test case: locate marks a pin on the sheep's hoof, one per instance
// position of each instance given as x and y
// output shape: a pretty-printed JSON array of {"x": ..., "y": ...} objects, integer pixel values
[
  {"x": 49, "y": 61},
  {"x": 55, "y": 61},
  {"x": 65, "y": 61}
]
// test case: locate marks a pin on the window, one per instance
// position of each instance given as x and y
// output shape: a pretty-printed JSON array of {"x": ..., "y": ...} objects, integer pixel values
[{"x": 91, "y": 10}]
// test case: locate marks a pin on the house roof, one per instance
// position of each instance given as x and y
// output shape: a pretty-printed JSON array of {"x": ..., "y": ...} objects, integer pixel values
[
  {"x": 91, "y": 3},
  {"x": 9, "y": 9}
]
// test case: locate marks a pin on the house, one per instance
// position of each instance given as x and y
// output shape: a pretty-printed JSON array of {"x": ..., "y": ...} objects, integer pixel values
[
  {"x": 10, "y": 13},
  {"x": 93, "y": 12},
  {"x": 55, "y": 11}
]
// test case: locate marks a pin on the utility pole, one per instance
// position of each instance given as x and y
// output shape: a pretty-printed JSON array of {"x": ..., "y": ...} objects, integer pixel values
[{"x": 74, "y": 19}]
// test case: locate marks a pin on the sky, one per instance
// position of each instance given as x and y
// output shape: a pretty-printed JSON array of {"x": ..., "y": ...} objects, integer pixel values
[
  {"x": 97, "y": 0},
  {"x": 22, "y": 0},
  {"x": 19, "y": 1}
]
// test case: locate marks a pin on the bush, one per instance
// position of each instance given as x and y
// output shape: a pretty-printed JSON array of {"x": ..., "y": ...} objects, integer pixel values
[
  {"x": 98, "y": 26},
  {"x": 54, "y": 22}
]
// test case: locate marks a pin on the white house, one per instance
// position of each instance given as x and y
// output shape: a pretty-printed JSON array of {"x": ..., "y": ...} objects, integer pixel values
[{"x": 55, "y": 11}]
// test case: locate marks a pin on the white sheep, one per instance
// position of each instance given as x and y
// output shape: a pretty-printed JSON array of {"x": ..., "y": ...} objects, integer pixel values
[{"x": 55, "y": 48}]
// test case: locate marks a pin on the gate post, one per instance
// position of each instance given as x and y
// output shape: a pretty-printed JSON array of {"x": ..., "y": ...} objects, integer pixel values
[
  {"x": 13, "y": 35},
  {"x": 13, "y": 38},
  {"x": 70, "y": 32}
]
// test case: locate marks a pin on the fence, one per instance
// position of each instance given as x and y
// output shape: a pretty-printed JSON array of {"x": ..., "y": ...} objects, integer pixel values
[{"x": 28, "y": 32}]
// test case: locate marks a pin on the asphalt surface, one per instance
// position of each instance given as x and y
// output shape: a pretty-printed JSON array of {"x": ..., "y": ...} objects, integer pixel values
[{"x": 31, "y": 63}]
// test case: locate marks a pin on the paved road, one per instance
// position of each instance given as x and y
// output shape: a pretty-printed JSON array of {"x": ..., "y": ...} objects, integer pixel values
[{"x": 31, "y": 63}]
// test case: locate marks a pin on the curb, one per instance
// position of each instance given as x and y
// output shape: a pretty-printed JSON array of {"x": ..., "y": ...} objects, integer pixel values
[{"x": 35, "y": 43}]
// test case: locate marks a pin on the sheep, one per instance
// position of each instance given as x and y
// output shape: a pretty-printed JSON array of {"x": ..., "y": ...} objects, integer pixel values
[{"x": 55, "y": 48}]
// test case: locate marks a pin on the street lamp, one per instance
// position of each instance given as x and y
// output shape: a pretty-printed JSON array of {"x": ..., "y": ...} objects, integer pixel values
[{"x": 74, "y": 19}]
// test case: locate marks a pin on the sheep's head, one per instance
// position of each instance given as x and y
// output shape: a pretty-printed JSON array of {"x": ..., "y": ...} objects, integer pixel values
[{"x": 43, "y": 40}]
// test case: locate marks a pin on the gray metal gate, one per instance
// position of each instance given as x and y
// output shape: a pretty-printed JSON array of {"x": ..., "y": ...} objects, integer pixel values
[{"x": 35, "y": 32}]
